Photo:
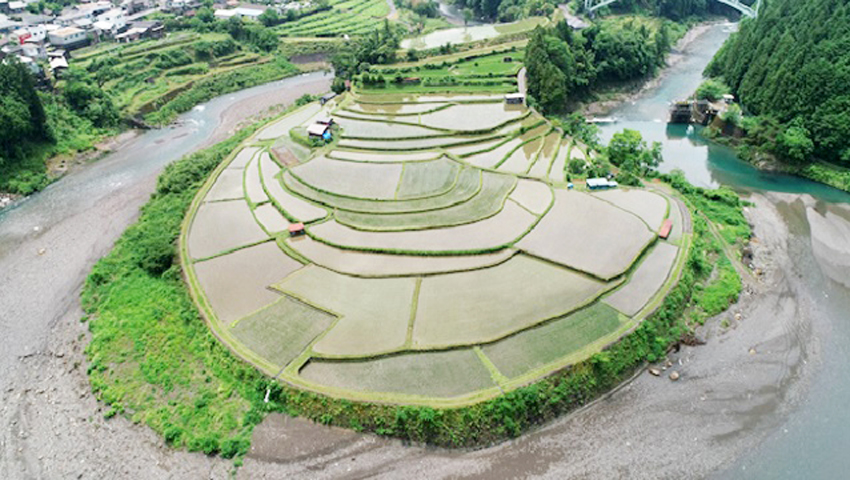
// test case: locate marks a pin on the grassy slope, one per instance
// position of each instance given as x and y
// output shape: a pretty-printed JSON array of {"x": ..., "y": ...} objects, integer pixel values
[{"x": 171, "y": 75}]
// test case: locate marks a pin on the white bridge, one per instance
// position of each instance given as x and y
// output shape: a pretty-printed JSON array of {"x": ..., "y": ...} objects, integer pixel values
[{"x": 592, "y": 5}]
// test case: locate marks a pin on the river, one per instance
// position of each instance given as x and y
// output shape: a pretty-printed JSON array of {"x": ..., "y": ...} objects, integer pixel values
[
  {"x": 763, "y": 399},
  {"x": 813, "y": 441}
]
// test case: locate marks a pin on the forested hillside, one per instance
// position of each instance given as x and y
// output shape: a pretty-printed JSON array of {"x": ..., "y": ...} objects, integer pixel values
[
  {"x": 792, "y": 66},
  {"x": 37, "y": 125},
  {"x": 507, "y": 10},
  {"x": 564, "y": 66}
]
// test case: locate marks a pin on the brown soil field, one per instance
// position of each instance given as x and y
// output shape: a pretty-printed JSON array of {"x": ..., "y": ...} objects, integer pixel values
[
  {"x": 596, "y": 237},
  {"x": 237, "y": 284},
  {"x": 373, "y": 313},
  {"x": 433, "y": 374},
  {"x": 646, "y": 280},
  {"x": 222, "y": 226},
  {"x": 511, "y": 296}
]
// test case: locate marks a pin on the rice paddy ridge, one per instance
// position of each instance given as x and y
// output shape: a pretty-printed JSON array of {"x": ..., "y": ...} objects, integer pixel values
[{"x": 497, "y": 278}]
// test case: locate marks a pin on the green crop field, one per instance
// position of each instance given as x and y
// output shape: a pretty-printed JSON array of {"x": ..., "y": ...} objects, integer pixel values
[
  {"x": 160, "y": 78},
  {"x": 432, "y": 271},
  {"x": 491, "y": 72},
  {"x": 346, "y": 17}
]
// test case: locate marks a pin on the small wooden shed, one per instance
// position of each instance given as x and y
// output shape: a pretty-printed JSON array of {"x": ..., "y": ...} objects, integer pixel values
[{"x": 296, "y": 229}]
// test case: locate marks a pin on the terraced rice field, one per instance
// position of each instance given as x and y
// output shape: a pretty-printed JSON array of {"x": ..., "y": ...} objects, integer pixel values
[
  {"x": 345, "y": 17},
  {"x": 429, "y": 272}
]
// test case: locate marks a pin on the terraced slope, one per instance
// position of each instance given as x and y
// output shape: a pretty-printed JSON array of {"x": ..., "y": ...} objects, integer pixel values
[{"x": 442, "y": 262}]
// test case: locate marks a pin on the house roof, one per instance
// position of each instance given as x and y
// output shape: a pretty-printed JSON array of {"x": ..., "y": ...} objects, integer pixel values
[
  {"x": 58, "y": 62},
  {"x": 296, "y": 227},
  {"x": 317, "y": 129},
  {"x": 601, "y": 182},
  {"x": 62, "y": 32}
]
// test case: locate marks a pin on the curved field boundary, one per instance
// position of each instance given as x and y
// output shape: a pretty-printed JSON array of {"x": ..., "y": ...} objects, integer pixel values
[
  {"x": 467, "y": 185},
  {"x": 382, "y": 146},
  {"x": 594, "y": 241},
  {"x": 401, "y": 114},
  {"x": 290, "y": 206},
  {"x": 479, "y": 207},
  {"x": 372, "y": 265},
  {"x": 386, "y": 198},
  {"x": 350, "y": 180},
  {"x": 459, "y": 231},
  {"x": 386, "y": 130},
  {"x": 382, "y": 157},
  {"x": 420, "y": 124},
  {"x": 507, "y": 157}
]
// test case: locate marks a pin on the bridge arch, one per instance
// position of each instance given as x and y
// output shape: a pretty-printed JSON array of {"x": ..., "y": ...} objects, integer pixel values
[{"x": 591, "y": 6}]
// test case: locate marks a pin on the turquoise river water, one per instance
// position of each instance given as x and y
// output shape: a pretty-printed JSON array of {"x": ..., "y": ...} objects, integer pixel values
[{"x": 814, "y": 441}]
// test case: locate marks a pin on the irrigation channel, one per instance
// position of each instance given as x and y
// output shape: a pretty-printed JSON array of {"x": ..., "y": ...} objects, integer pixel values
[{"x": 764, "y": 398}]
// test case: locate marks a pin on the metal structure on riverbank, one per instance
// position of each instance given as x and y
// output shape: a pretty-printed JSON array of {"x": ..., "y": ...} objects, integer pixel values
[{"x": 591, "y": 6}]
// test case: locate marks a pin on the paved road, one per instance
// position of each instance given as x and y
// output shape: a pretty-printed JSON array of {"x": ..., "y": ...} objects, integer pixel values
[{"x": 521, "y": 81}]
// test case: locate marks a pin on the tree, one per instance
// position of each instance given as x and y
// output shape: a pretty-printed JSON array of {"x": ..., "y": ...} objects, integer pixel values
[
  {"x": 338, "y": 85},
  {"x": 795, "y": 145},
  {"x": 468, "y": 15},
  {"x": 629, "y": 151},
  {"x": 22, "y": 116},
  {"x": 732, "y": 115},
  {"x": 87, "y": 99},
  {"x": 205, "y": 14},
  {"x": 712, "y": 90},
  {"x": 576, "y": 166},
  {"x": 269, "y": 17}
]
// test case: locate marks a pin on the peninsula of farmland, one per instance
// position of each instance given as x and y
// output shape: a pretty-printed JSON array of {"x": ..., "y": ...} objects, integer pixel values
[{"x": 431, "y": 253}]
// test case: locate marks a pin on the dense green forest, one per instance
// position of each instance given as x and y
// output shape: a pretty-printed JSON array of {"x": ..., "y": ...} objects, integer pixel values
[
  {"x": 676, "y": 9},
  {"x": 564, "y": 65},
  {"x": 791, "y": 67},
  {"x": 510, "y": 10},
  {"x": 35, "y": 126},
  {"x": 507, "y": 10}
]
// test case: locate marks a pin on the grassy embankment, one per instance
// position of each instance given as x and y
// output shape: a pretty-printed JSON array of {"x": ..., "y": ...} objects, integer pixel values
[{"x": 153, "y": 359}]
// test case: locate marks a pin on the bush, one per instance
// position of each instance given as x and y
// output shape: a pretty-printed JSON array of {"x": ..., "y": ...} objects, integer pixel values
[
  {"x": 712, "y": 90},
  {"x": 576, "y": 166}
]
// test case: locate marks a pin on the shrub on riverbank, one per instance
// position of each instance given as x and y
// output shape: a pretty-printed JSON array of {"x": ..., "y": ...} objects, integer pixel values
[{"x": 153, "y": 358}]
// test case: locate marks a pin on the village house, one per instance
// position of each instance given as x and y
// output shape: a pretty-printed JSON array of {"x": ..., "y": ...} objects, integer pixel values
[
  {"x": 68, "y": 38},
  {"x": 244, "y": 10},
  {"x": 111, "y": 22},
  {"x": 141, "y": 30},
  {"x": 7, "y": 25}
]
